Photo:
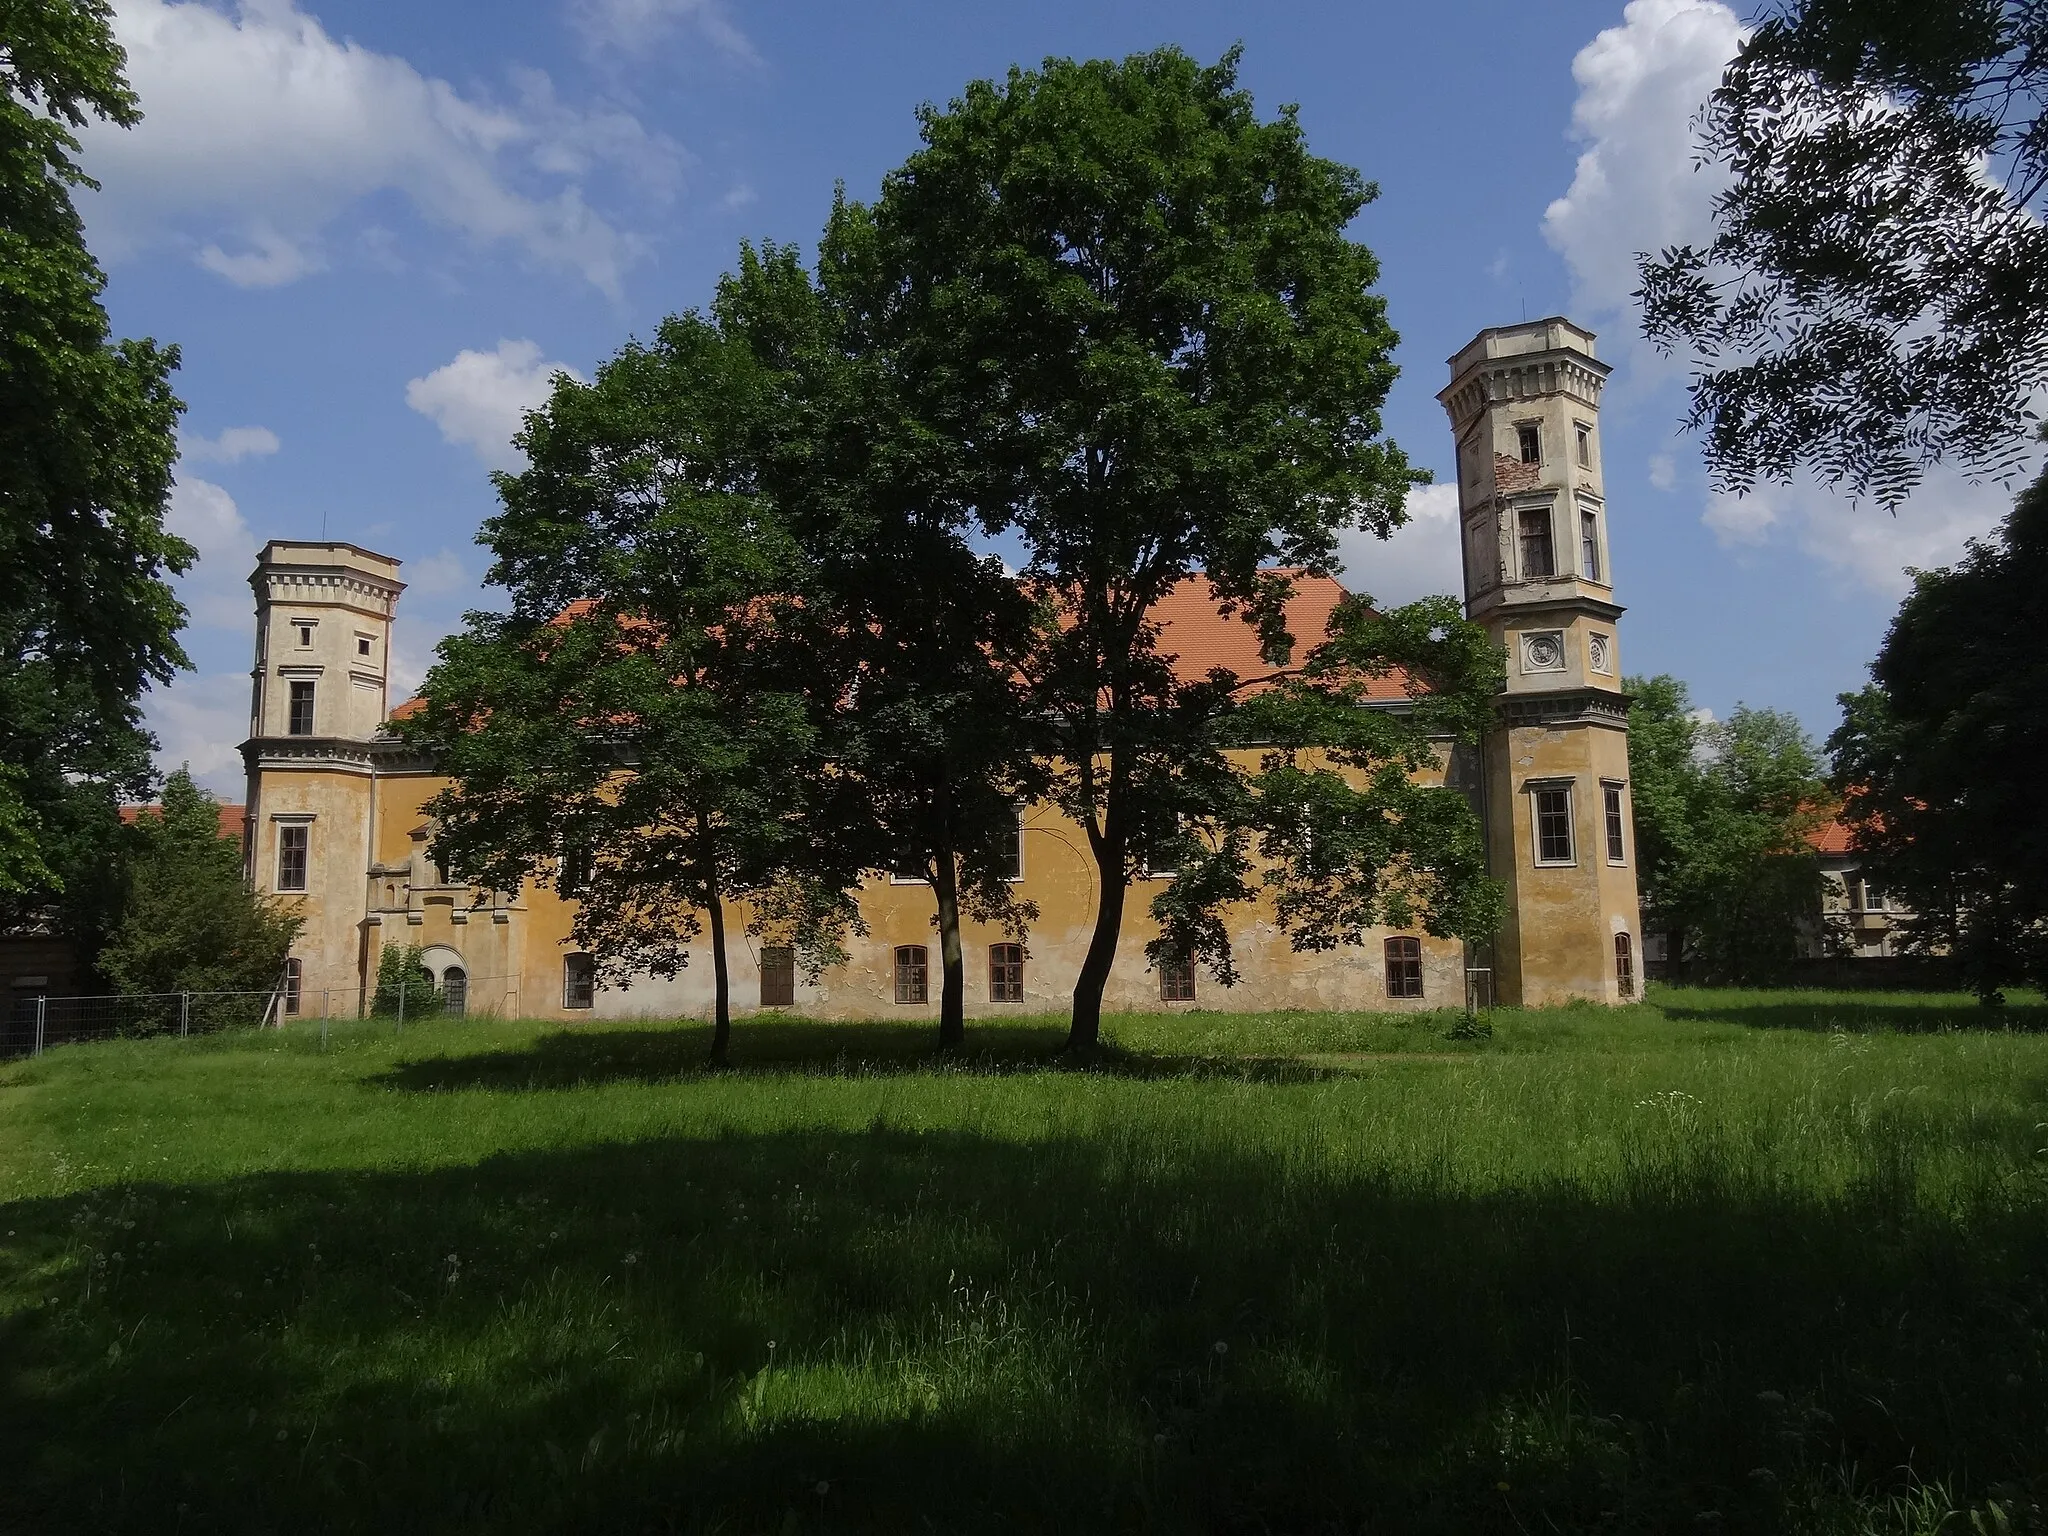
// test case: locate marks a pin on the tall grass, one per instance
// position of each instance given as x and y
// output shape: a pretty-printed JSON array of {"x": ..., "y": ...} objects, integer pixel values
[{"x": 1728, "y": 1261}]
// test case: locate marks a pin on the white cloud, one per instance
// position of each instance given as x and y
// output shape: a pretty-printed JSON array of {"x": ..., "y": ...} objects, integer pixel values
[
  {"x": 261, "y": 131},
  {"x": 232, "y": 446},
  {"x": 1863, "y": 544},
  {"x": 201, "y": 722},
  {"x": 1420, "y": 560},
  {"x": 633, "y": 26},
  {"x": 216, "y": 589},
  {"x": 1663, "y": 471},
  {"x": 1637, "y": 186},
  {"x": 438, "y": 573},
  {"x": 481, "y": 399}
]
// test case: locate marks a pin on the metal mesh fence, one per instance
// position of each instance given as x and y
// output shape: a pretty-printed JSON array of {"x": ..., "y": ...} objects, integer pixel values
[{"x": 34, "y": 1024}]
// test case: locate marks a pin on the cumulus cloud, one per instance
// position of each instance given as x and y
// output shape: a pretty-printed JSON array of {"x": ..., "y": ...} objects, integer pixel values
[
  {"x": 481, "y": 398},
  {"x": 262, "y": 131},
  {"x": 1638, "y": 185},
  {"x": 438, "y": 573},
  {"x": 200, "y": 722},
  {"x": 1863, "y": 544},
  {"x": 1420, "y": 560},
  {"x": 631, "y": 26},
  {"x": 232, "y": 446},
  {"x": 216, "y": 590}
]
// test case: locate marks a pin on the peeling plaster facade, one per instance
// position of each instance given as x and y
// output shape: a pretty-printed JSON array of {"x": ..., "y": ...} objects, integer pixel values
[{"x": 332, "y": 780}]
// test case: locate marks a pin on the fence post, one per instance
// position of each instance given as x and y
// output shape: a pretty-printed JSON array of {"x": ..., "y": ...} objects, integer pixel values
[
  {"x": 184, "y": 1013},
  {"x": 42, "y": 1009}
]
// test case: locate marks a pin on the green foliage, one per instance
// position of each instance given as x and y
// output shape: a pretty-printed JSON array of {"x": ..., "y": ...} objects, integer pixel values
[
  {"x": 643, "y": 710},
  {"x": 404, "y": 985},
  {"x": 1138, "y": 303},
  {"x": 1722, "y": 810},
  {"x": 1939, "y": 758},
  {"x": 189, "y": 922},
  {"x": 87, "y": 442},
  {"x": 1754, "y": 1262},
  {"x": 1872, "y": 299}
]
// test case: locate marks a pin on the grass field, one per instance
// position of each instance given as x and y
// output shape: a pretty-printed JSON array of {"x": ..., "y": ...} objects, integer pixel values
[{"x": 1722, "y": 1262}]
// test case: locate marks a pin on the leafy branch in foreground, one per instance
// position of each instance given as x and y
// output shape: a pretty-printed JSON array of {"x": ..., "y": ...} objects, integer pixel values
[{"x": 1875, "y": 296}]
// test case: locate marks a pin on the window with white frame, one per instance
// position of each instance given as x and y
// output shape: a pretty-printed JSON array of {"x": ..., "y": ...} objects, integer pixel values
[
  {"x": 1616, "y": 826},
  {"x": 1552, "y": 806}
]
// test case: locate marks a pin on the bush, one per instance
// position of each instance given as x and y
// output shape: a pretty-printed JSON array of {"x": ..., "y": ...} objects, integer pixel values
[{"x": 399, "y": 971}]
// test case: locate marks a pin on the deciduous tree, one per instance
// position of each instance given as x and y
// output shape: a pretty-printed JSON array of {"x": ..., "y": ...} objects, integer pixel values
[
  {"x": 87, "y": 621},
  {"x": 189, "y": 922},
  {"x": 1722, "y": 809},
  {"x": 1875, "y": 297},
  {"x": 1135, "y": 303},
  {"x": 1940, "y": 757}
]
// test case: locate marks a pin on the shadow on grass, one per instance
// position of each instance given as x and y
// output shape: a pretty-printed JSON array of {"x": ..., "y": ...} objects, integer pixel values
[
  {"x": 580, "y": 1057},
  {"x": 1857, "y": 1013},
  {"x": 896, "y": 1330}
]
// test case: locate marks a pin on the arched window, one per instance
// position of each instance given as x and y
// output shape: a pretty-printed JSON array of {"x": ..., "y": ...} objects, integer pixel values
[
  {"x": 1404, "y": 967},
  {"x": 455, "y": 990},
  {"x": 1624, "y": 965},
  {"x": 1006, "y": 973}
]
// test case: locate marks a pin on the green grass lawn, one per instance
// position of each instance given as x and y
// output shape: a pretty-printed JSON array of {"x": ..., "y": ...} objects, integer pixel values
[{"x": 1722, "y": 1262}]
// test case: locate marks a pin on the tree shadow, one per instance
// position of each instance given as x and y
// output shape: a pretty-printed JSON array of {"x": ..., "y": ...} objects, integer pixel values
[
  {"x": 1833, "y": 1013},
  {"x": 582, "y": 1056},
  {"x": 899, "y": 1330}
]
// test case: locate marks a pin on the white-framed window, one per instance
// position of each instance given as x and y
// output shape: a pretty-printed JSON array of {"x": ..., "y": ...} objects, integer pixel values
[
  {"x": 1550, "y": 805},
  {"x": 305, "y": 627},
  {"x": 294, "y": 846},
  {"x": 299, "y": 721},
  {"x": 1589, "y": 545},
  {"x": 1585, "y": 435},
  {"x": 1615, "y": 823}
]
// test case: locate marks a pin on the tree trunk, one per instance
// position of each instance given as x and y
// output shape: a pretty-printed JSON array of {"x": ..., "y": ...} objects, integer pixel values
[
  {"x": 721, "y": 1007},
  {"x": 953, "y": 986},
  {"x": 1085, "y": 1033}
]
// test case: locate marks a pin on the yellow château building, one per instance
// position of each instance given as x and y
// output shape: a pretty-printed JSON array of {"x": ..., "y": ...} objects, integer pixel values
[{"x": 336, "y": 804}]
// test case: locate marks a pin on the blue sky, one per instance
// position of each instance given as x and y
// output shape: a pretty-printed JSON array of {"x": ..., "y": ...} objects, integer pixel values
[{"x": 376, "y": 228}]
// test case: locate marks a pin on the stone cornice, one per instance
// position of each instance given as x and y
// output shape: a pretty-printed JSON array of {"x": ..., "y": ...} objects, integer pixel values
[
  {"x": 1527, "y": 376},
  {"x": 1570, "y": 706}
]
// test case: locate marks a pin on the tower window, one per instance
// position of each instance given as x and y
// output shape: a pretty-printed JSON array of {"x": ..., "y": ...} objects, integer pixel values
[
  {"x": 305, "y": 634},
  {"x": 1177, "y": 980},
  {"x": 778, "y": 976},
  {"x": 1537, "y": 559},
  {"x": 1531, "y": 439},
  {"x": 301, "y": 720},
  {"x": 913, "y": 974},
  {"x": 1554, "y": 824},
  {"x": 1617, "y": 845},
  {"x": 362, "y": 645},
  {"x": 1624, "y": 965},
  {"x": 1404, "y": 967},
  {"x": 291, "y": 857},
  {"x": 1589, "y": 545},
  {"x": 1585, "y": 447},
  {"x": 579, "y": 981},
  {"x": 1006, "y": 973}
]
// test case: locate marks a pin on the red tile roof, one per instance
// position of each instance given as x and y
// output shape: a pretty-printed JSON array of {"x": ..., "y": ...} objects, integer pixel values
[
  {"x": 1831, "y": 837},
  {"x": 1199, "y": 638},
  {"x": 232, "y": 817}
]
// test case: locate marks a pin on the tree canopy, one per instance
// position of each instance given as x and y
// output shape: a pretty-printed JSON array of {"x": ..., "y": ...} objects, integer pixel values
[
  {"x": 1722, "y": 810},
  {"x": 1939, "y": 758},
  {"x": 189, "y": 922},
  {"x": 1875, "y": 296},
  {"x": 87, "y": 442},
  {"x": 1136, "y": 301}
]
